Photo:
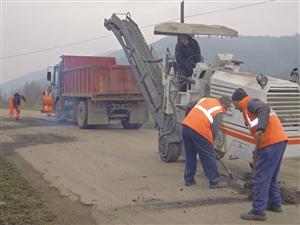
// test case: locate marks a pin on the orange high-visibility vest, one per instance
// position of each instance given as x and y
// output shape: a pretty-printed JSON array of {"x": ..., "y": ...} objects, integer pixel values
[
  {"x": 274, "y": 132},
  {"x": 202, "y": 116}
]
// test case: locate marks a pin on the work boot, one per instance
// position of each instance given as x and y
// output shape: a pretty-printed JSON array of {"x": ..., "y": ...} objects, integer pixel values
[
  {"x": 253, "y": 216},
  {"x": 218, "y": 185},
  {"x": 190, "y": 183},
  {"x": 273, "y": 208}
]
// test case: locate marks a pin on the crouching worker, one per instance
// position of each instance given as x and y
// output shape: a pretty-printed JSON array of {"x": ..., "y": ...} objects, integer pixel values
[
  {"x": 15, "y": 105},
  {"x": 199, "y": 129},
  {"x": 271, "y": 140}
]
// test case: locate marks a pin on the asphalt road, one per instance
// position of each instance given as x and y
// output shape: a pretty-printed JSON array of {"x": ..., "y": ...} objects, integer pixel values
[{"x": 120, "y": 174}]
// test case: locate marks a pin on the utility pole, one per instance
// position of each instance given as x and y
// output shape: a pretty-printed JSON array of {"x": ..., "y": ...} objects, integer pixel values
[{"x": 182, "y": 12}]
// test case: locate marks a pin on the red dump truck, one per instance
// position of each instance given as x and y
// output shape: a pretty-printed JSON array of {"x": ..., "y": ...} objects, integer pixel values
[{"x": 95, "y": 91}]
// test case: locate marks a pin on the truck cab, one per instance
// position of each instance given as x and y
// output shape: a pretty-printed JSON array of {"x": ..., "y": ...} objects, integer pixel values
[{"x": 53, "y": 76}]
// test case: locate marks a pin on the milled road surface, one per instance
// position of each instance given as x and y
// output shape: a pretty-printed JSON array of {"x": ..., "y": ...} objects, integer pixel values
[{"x": 120, "y": 174}]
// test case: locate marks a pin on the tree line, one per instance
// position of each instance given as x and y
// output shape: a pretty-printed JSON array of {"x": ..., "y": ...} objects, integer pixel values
[{"x": 32, "y": 91}]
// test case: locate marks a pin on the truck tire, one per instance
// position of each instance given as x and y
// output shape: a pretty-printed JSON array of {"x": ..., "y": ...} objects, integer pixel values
[
  {"x": 59, "y": 111},
  {"x": 82, "y": 112},
  {"x": 127, "y": 125},
  {"x": 169, "y": 153}
]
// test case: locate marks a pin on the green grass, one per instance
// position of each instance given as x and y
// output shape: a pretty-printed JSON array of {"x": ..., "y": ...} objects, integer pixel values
[
  {"x": 150, "y": 123},
  {"x": 3, "y": 105},
  {"x": 35, "y": 107},
  {"x": 19, "y": 204}
]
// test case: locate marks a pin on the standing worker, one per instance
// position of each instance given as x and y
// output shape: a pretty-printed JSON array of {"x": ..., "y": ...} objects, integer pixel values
[
  {"x": 199, "y": 130},
  {"x": 15, "y": 105},
  {"x": 47, "y": 101},
  {"x": 187, "y": 54},
  {"x": 295, "y": 76},
  {"x": 271, "y": 140}
]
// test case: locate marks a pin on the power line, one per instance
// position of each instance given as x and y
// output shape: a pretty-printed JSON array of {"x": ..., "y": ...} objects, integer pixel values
[
  {"x": 143, "y": 27},
  {"x": 214, "y": 11},
  {"x": 56, "y": 47},
  {"x": 229, "y": 9}
]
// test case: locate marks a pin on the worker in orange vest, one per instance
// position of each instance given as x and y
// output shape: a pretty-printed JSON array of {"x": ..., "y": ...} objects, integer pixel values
[
  {"x": 47, "y": 101},
  {"x": 15, "y": 105},
  {"x": 199, "y": 130},
  {"x": 271, "y": 140}
]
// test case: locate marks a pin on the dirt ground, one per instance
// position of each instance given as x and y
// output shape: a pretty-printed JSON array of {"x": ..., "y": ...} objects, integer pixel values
[{"x": 110, "y": 175}]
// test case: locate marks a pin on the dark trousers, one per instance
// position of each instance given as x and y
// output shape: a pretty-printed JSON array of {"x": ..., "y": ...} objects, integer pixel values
[
  {"x": 195, "y": 144},
  {"x": 265, "y": 187},
  {"x": 183, "y": 84}
]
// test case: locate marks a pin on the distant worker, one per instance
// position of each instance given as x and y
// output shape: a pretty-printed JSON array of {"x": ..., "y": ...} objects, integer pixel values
[
  {"x": 187, "y": 54},
  {"x": 271, "y": 140},
  {"x": 47, "y": 101},
  {"x": 199, "y": 131},
  {"x": 295, "y": 76},
  {"x": 15, "y": 105}
]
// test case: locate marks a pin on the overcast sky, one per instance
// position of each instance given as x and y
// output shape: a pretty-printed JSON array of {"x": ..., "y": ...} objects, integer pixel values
[{"x": 33, "y": 25}]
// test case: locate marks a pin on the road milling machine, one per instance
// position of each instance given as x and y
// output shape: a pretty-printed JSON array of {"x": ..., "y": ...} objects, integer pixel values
[{"x": 167, "y": 104}]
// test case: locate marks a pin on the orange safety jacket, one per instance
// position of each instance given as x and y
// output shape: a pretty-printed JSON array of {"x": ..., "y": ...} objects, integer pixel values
[
  {"x": 274, "y": 132},
  {"x": 202, "y": 115}
]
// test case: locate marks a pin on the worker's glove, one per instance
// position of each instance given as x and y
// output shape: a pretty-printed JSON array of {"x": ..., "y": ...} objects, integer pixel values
[
  {"x": 189, "y": 107},
  {"x": 217, "y": 147},
  {"x": 258, "y": 137},
  {"x": 191, "y": 80}
]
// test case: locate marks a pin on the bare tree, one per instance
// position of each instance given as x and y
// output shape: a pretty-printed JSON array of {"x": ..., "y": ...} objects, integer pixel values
[{"x": 32, "y": 92}]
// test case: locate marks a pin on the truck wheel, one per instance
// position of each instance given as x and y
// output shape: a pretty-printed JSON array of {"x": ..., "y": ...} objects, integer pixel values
[
  {"x": 82, "y": 112},
  {"x": 169, "y": 153},
  {"x": 127, "y": 125},
  {"x": 59, "y": 111}
]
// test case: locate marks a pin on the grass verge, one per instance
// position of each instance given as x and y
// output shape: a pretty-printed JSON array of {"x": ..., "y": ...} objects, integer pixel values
[{"x": 19, "y": 203}]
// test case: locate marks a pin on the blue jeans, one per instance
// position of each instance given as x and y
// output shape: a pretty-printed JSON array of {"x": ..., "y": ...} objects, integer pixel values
[
  {"x": 195, "y": 144},
  {"x": 265, "y": 187}
]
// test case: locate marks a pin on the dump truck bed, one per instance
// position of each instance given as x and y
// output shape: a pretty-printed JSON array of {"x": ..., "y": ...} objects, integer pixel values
[{"x": 99, "y": 78}]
